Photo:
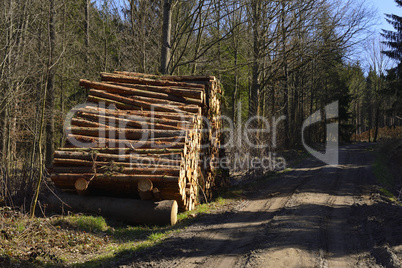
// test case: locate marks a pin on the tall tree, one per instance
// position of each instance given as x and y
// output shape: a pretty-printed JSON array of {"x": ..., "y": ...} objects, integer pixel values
[
  {"x": 394, "y": 44},
  {"x": 166, "y": 33},
  {"x": 50, "y": 84},
  {"x": 394, "y": 38}
]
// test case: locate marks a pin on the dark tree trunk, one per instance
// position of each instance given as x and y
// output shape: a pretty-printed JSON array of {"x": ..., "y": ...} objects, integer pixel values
[{"x": 50, "y": 86}]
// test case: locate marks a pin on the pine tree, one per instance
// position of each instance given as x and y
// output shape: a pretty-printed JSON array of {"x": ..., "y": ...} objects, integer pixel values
[
  {"x": 394, "y": 75},
  {"x": 394, "y": 38}
]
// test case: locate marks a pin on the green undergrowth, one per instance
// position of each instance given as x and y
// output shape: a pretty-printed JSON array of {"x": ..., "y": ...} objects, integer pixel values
[
  {"x": 86, "y": 240},
  {"x": 82, "y": 222},
  {"x": 132, "y": 239}
]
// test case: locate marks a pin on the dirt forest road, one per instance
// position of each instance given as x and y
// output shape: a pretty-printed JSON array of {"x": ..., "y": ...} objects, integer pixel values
[{"x": 312, "y": 216}]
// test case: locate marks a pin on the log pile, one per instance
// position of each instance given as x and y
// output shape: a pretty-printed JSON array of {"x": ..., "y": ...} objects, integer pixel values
[{"x": 144, "y": 136}]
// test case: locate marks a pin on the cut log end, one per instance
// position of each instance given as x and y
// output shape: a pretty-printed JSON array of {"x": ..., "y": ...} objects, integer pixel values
[
  {"x": 81, "y": 186},
  {"x": 173, "y": 214},
  {"x": 145, "y": 185}
]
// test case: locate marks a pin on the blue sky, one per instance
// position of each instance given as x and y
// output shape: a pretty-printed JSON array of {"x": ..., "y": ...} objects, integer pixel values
[{"x": 386, "y": 6}]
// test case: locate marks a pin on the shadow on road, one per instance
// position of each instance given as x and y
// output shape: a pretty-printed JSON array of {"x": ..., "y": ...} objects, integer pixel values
[{"x": 317, "y": 208}]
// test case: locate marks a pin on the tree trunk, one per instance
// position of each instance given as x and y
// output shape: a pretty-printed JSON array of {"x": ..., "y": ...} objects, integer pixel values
[
  {"x": 86, "y": 26},
  {"x": 50, "y": 86},
  {"x": 286, "y": 75},
  {"x": 166, "y": 32}
]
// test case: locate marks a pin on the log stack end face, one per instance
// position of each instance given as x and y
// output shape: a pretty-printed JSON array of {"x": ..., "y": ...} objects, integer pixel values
[{"x": 140, "y": 136}]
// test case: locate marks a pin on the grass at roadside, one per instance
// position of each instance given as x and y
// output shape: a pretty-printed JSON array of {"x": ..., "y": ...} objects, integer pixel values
[{"x": 84, "y": 240}]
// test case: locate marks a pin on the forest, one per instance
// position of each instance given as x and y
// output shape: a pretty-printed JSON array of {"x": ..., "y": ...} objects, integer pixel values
[{"x": 273, "y": 58}]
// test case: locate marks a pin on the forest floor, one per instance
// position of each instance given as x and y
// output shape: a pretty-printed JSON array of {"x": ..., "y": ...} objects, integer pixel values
[{"x": 312, "y": 215}]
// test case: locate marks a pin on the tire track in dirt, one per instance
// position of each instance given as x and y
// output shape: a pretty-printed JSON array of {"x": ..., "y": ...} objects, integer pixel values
[
  {"x": 232, "y": 255},
  {"x": 228, "y": 243},
  {"x": 308, "y": 224}
]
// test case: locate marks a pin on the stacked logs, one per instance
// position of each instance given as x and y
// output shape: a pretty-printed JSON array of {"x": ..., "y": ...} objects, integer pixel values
[{"x": 144, "y": 136}]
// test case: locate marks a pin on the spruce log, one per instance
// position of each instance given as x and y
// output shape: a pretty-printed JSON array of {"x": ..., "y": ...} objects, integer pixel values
[
  {"x": 129, "y": 89},
  {"x": 186, "y": 89},
  {"x": 205, "y": 79},
  {"x": 141, "y": 115},
  {"x": 62, "y": 162},
  {"x": 112, "y": 103},
  {"x": 91, "y": 142},
  {"x": 113, "y": 121},
  {"x": 153, "y": 170},
  {"x": 125, "y": 133},
  {"x": 123, "y": 150},
  {"x": 115, "y": 177},
  {"x": 130, "y": 211},
  {"x": 149, "y": 105},
  {"x": 86, "y": 123},
  {"x": 154, "y": 89},
  {"x": 122, "y": 158}
]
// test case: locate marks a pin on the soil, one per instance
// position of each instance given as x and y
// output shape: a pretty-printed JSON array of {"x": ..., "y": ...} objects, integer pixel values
[{"x": 312, "y": 216}]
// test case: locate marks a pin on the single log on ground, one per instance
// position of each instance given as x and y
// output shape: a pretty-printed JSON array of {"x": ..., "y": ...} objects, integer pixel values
[{"x": 130, "y": 211}]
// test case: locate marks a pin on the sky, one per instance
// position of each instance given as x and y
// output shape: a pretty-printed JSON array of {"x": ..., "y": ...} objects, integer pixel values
[
  {"x": 389, "y": 7},
  {"x": 363, "y": 52}
]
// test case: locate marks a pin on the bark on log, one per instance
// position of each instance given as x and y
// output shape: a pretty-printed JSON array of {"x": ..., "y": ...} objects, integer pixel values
[
  {"x": 172, "y": 181},
  {"x": 195, "y": 89},
  {"x": 137, "y": 90},
  {"x": 126, "y": 165},
  {"x": 107, "y": 166},
  {"x": 112, "y": 121},
  {"x": 112, "y": 103},
  {"x": 142, "y": 104},
  {"x": 205, "y": 79},
  {"x": 122, "y": 158},
  {"x": 154, "y": 89},
  {"x": 125, "y": 133},
  {"x": 92, "y": 142},
  {"x": 123, "y": 150},
  {"x": 147, "y": 116},
  {"x": 130, "y": 211}
]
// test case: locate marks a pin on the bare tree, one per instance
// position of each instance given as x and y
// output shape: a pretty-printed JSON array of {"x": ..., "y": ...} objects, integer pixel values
[{"x": 166, "y": 32}]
